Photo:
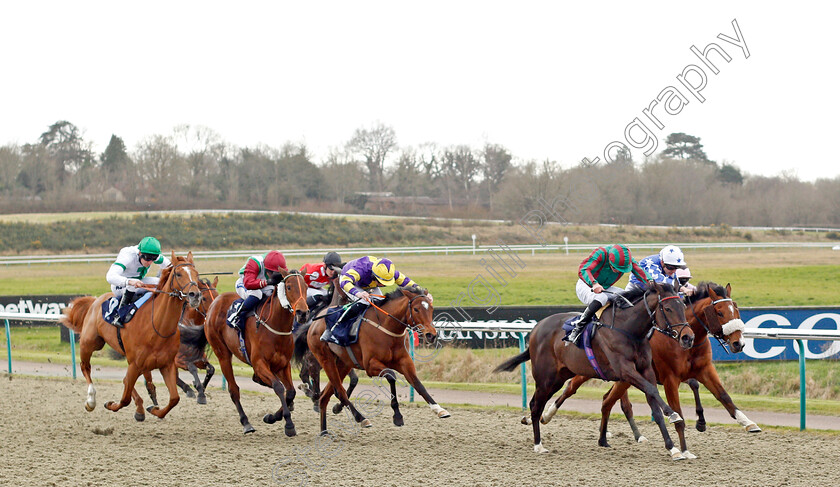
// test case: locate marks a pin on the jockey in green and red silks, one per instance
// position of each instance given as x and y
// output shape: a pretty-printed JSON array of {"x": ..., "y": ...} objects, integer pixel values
[{"x": 596, "y": 274}]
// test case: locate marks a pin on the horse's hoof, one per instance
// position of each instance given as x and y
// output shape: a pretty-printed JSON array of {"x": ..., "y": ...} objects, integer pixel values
[
  {"x": 641, "y": 439},
  {"x": 752, "y": 428},
  {"x": 325, "y": 433},
  {"x": 701, "y": 427},
  {"x": 139, "y": 417},
  {"x": 202, "y": 399},
  {"x": 366, "y": 423},
  {"x": 108, "y": 405},
  {"x": 150, "y": 409},
  {"x": 269, "y": 419},
  {"x": 398, "y": 421},
  {"x": 90, "y": 407},
  {"x": 189, "y": 393},
  {"x": 526, "y": 420},
  {"x": 316, "y": 408},
  {"x": 604, "y": 443},
  {"x": 337, "y": 408},
  {"x": 290, "y": 430},
  {"x": 688, "y": 455},
  {"x": 676, "y": 454},
  {"x": 247, "y": 428},
  {"x": 674, "y": 418},
  {"x": 538, "y": 448},
  {"x": 443, "y": 413}
]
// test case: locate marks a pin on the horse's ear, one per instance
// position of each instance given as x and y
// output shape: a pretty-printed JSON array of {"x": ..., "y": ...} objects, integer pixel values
[
  {"x": 712, "y": 293},
  {"x": 173, "y": 257},
  {"x": 728, "y": 290},
  {"x": 216, "y": 281},
  {"x": 284, "y": 272},
  {"x": 189, "y": 256}
]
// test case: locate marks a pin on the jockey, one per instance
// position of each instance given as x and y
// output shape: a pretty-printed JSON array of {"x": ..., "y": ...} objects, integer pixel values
[
  {"x": 683, "y": 276},
  {"x": 318, "y": 277},
  {"x": 361, "y": 279},
  {"x": 127, "y": 275},
  {"x": 257, "y": 279},
  {"x": 662, "y": 267},
  {"x": 598, "y": 273}
]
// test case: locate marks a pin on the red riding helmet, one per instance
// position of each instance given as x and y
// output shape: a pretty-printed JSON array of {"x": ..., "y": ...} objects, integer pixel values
[{"x": 274, "y": 261}]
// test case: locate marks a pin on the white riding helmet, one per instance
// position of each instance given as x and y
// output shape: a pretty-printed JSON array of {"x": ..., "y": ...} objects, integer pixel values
[{"x": 672, "y": 255}]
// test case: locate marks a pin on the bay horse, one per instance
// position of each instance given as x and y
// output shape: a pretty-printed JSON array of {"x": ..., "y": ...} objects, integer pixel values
[
  {"x": 380, "y": 350},
  {"x": 711, "y": 312},
  {"x": 192, "y": 352},
  {"x": 149, "y": 341},
  {"x": 268, "y": 343},
  {"x": 621, "y": 349}
]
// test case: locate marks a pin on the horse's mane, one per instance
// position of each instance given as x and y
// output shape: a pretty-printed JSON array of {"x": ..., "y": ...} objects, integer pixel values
[
  {"x": 164, "y": 276},
  {"x": 635, "y": 295},
  {"x": 397, "y": 293},
  {"x": 703, "y": 290}
]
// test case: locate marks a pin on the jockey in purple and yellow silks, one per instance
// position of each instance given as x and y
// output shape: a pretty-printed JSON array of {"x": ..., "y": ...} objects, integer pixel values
[
  {"x": 361, "y": 279},
  {"x": 597, "y": 273}
]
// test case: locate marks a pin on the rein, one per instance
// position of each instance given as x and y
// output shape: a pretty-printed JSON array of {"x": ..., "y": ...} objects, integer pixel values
[
  {"x": 406, "y": 325},
  {"x": 178, "y": 293}
]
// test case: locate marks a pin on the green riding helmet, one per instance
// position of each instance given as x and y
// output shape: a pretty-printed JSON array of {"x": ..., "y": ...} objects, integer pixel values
[
  {"x": 620, "y": 259},
  {"x": 149, "y": 245}
]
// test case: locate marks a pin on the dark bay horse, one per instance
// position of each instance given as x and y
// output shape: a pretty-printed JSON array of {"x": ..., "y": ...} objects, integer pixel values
[
  {"x": 380, "y": 351},
  {"x": 621, "y": 349},
  {"x": 268, "y": 343},
  {"x": 192, "y": 352},
  {"x": 711, "y": 311},
  {"x": 149, "y": 341}
]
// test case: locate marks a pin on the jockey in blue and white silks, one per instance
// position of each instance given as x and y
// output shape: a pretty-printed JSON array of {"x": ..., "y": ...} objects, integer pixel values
[{"x": 662, "y": 268}]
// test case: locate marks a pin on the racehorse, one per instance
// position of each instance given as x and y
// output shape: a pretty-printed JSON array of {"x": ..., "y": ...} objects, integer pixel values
[
  {"x": 268, "y": 344},
  {"x": 191, "y": 354},
  {"x": 380, "y": 350},
  {"x": 620, "y": 348},
  {"x": 149, "y": 341},
  {"x": 711, "y": 312}
]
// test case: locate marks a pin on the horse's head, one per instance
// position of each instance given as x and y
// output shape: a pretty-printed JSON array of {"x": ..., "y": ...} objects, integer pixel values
[
  {"x": 208, "y": 293},
  {"x": 419, "y": 314},
  {"x": 181, "y": 280},
  {"x": 292, "y": 293},
  {"x": 722, "y": 317},
  {"x": 669, "y": 314}
]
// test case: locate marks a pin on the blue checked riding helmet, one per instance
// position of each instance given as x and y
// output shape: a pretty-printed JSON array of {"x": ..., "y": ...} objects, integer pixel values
[
  {"x": 149, "y": 248},
  {"x": 620, "y": 258},
  {"x": 384, "y": 271}
]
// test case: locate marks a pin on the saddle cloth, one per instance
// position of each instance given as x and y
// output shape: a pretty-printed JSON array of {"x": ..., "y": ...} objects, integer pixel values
[
  {"x": 110, "y": 309},
  {"x": 345, "y": 324}
]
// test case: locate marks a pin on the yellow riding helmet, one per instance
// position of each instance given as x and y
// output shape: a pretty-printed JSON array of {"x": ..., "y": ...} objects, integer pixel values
[{"x": 384, "y": 271}]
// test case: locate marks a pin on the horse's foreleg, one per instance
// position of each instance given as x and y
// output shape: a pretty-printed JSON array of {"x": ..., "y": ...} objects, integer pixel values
[
  {"x": 131, "y": 375},
  {"x": 210, "y": 371},
  {"x": 354, "y": 379},
  {"x": 170, "y": 375},
  {"x": 645, "y": 381},
  {"x": 202, "y": 399},
  {"x": 571, "y": 388},
  {"x": 627, "y": 408},
  {"x": 698, "y": 407},
  {"x": 672, "y": 393},
  {"x": 709, "y": 377},
  {"x": 263, "y": 371},
  {"x": 150, "y": 388},
  {"x": 139, "y": 413},
  {"x": 88, "y": 345},
  {"x": 610, "y": 398},
  {"x": 406, "y": 367},
  {"x": 336, "y": 377},
  {"x": 184, "y": 387}
]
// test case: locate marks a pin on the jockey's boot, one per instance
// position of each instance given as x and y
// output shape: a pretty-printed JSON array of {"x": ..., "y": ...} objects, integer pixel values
[
  {"x": 326, "y": 335},
  {"x": 127, "y": 298},
  {"x": 248, "y": 305},
  {"x": 581, "y": 322}
]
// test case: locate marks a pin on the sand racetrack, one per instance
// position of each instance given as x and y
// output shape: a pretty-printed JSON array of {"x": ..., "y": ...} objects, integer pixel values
[{"x": 49, "y": 439}]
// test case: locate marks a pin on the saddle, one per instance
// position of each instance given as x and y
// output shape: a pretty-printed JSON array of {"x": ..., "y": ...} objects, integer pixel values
[
  {"x": 111, "y": 309},
  {"x": 345, "y": 325}
]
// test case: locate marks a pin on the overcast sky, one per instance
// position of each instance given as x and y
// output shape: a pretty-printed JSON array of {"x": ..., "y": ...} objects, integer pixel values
[{"x": 549, "y": 80}]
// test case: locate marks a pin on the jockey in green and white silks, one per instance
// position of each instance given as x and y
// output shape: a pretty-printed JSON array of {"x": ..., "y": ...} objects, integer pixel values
[{"x": 127, "y": 274}]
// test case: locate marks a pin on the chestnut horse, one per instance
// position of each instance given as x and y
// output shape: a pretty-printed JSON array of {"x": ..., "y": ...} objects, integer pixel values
[
  {"x": 711, "y": 312},
  {"x": 150, "y": 339},
  {"x": 191, "y": 354},
  {"x": 380, "y": 350},
  {"x": 268, "y": 343},
  {"x": 621, "y": 349}
]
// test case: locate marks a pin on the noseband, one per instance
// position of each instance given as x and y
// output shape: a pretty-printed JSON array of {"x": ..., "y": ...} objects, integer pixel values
[
  {"x": 674, "y": 331},
  {"x": 719, "y": 336}
]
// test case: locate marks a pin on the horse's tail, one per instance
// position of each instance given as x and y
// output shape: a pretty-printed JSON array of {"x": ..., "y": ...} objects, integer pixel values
[
  {"x": 301, "y": 345},
  {"x": 193, "y": 343},
  {"x": 73, "y": 316},
  {"x": 511, "y": 364}
]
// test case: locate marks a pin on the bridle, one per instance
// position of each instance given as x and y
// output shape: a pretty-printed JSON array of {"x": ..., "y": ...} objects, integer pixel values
[
  {"x": 176, "y": 293},
  {"x": 284, "y": 302},
  {"x": 674, "y": 331},
  {"x": 719, "y": 336},
  {"x": 409, "y": 323}
]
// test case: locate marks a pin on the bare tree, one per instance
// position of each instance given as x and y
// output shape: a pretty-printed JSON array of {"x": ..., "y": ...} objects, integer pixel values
[
  {"x": 373, "y": 146},
  {"x": 158, "y": 159}
]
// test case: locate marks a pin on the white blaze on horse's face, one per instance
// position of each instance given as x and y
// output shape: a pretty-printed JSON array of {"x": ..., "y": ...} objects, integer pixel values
[{"x": 425, "y": 305}]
